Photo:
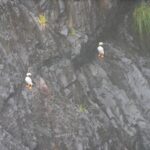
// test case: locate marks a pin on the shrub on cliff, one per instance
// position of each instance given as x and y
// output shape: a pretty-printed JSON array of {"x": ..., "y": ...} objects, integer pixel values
[{"x": 141, "y": 17}]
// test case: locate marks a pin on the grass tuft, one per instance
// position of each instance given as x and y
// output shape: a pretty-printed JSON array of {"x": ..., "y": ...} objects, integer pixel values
[
  {"x": 141, "y": 17},
  {"x": 82, "y": 108},
  {"x": 72, "y": 32},
  {"x": 42, "y": 20}
]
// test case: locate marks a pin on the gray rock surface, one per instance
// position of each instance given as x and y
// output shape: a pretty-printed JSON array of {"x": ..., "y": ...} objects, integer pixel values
[{"x": 77, "y": 102}]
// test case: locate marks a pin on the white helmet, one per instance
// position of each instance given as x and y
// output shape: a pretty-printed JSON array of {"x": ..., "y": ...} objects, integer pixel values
[
  {"x": 28, "y": 74},
  {"x": 101, "y": 43}
]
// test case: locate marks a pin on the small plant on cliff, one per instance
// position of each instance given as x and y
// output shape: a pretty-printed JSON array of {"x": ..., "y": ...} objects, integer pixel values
[
  {"x": 82, "y": 108},
  {"x": 141, "y": 17},
  {"x": 72, "y": 31},
  {"x": 42, "y": 21}
]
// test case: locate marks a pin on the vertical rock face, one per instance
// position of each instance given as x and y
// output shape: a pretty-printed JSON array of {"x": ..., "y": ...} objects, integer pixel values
[{"x": 77, "y": 101}]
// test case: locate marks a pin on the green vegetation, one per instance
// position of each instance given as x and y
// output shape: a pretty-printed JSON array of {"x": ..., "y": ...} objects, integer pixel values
[
  {"x": 42, "y": 20},
  {"x": 141, "y": 17},
  {"x": 72, "y": 32},
  {"x": 82, "y": 108}
]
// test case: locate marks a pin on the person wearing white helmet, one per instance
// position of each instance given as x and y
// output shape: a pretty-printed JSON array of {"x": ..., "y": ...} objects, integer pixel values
[
  {"x": 29, "y": 80},
  {"x": 100, "y": 50}
]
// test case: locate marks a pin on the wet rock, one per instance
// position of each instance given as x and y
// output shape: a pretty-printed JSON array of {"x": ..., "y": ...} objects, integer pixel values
[
  {"x": 114, "y": 91},
  {"x": 61, "y": 6},
  {"x": 65, "y": 74},
  {"x": 42, "y": 86},
  {"x": 76, "y": 40},
  {"x": 1, "y": 66},
  {"x": 64, "y": 31},
  {"x": 83, "y": 82},
  {"x": 67, "y": 92},
  {"x": 9, "y": 142}
]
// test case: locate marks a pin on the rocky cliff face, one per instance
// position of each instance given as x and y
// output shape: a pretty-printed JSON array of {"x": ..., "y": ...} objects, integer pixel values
[{"x": 78, "y": 102}]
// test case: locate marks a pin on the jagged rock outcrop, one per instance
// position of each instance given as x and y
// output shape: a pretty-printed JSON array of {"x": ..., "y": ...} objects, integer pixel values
[{"x": 77, "y": 101}]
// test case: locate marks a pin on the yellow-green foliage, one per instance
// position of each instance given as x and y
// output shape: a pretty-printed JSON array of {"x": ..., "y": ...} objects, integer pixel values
[
  {"x": 42, "y": 20},
  {"x": 142, "y": 18},
  {"x": 72, "y": 32},
  {"x": 82, "y": 108}
]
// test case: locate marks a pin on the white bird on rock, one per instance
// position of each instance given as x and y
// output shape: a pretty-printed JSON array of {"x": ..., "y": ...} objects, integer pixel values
[
  {"x": 29, "y": 80},
  {"x": 100, "y": 50}
]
